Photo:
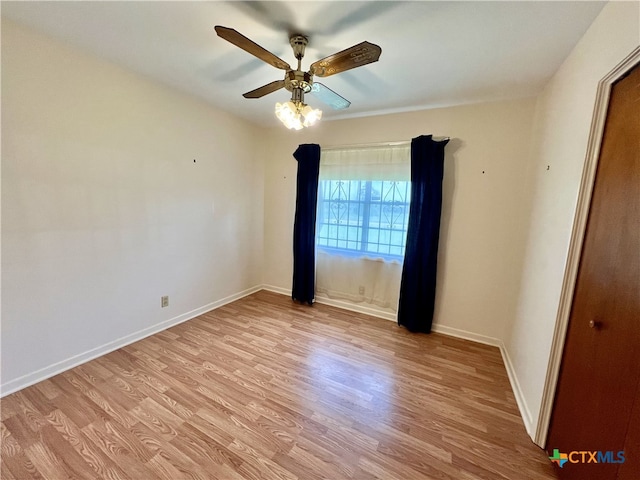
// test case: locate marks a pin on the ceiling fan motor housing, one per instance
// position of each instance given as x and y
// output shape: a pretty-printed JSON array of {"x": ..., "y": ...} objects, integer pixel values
[{"x": 298, "y": 79}]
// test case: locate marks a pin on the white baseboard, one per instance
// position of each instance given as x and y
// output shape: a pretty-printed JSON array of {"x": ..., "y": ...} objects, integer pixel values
[
  {"x": 280, "y": 290},
  {"x": 465, "y": 335},
  {"x": 64, "y": 365},
  {"x": 525, "y": 413},
  {"x": 352, "y": 307}
]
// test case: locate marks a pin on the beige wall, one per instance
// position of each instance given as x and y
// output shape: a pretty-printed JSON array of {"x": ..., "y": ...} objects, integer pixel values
[
  {"x": 481, "y": 237},
  {"x": 104, "y": 210},
  {"x": 563, "y": 118}
]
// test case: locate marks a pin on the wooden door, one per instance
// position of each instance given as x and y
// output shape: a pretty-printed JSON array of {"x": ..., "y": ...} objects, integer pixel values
[{"x": 596, "y": 406}]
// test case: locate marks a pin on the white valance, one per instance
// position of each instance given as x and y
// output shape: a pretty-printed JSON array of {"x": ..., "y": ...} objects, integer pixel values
[{"x": 379, "y": 162}]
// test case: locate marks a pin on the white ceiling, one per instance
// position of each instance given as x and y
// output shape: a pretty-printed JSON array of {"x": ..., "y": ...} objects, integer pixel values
[{"x": 433, "y": 53}]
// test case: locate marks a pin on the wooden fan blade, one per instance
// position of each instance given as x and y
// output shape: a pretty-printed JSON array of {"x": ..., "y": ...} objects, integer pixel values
[
  {"x": 353, "y": 57},
  {"x": 328, "y": 96},
  {"x": 239, "y": 40},
  {"x": 265, "y": 89}
]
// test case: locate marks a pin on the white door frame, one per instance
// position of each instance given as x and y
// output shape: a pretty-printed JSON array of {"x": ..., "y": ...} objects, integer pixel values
[{"x": 577, "y": 238}]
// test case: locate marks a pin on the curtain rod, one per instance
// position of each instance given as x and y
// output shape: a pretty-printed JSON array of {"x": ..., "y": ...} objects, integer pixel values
[{"x": 379, "y": 144}]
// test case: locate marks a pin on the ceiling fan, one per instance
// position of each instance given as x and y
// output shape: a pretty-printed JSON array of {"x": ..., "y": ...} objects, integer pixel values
[{"x": 296, "y": 114}]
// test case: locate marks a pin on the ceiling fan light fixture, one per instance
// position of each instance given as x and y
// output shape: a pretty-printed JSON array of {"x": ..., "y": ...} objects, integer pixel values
[
  {"x": 311, "y": 115},
  {"x": 296, "y": 116},
  {"x": 288, "y": 114}
]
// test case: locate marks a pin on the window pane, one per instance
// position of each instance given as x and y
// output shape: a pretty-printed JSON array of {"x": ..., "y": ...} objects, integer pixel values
[
  {"x": 376, "y": 191},
  {"x": 363, "y": 216},
  {"x": 374, "y": 236},
  {"x": 354, "y": 233}
]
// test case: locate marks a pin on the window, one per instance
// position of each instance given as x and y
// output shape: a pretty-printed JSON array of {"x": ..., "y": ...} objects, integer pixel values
[
  {"x": 363, "y": 212},
  {"x": 363, "y": 217}
]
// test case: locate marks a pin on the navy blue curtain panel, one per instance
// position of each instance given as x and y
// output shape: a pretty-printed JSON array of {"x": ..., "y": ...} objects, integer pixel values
[
  {"x": 304, "y": 226},
  {"x": 418, "y": 284}
]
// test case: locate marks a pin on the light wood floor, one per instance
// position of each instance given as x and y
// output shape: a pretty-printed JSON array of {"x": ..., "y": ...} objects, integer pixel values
[{"x": 266, "y": 389}]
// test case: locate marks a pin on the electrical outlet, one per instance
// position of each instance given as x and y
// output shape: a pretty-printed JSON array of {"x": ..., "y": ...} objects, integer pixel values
[
  {"x": 164, "y": 301},
  {"x": 361, "y": 290}
]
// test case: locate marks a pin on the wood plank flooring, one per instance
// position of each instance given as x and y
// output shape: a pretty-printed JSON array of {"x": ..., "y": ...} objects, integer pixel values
[{"x": 267, "y": 389}]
